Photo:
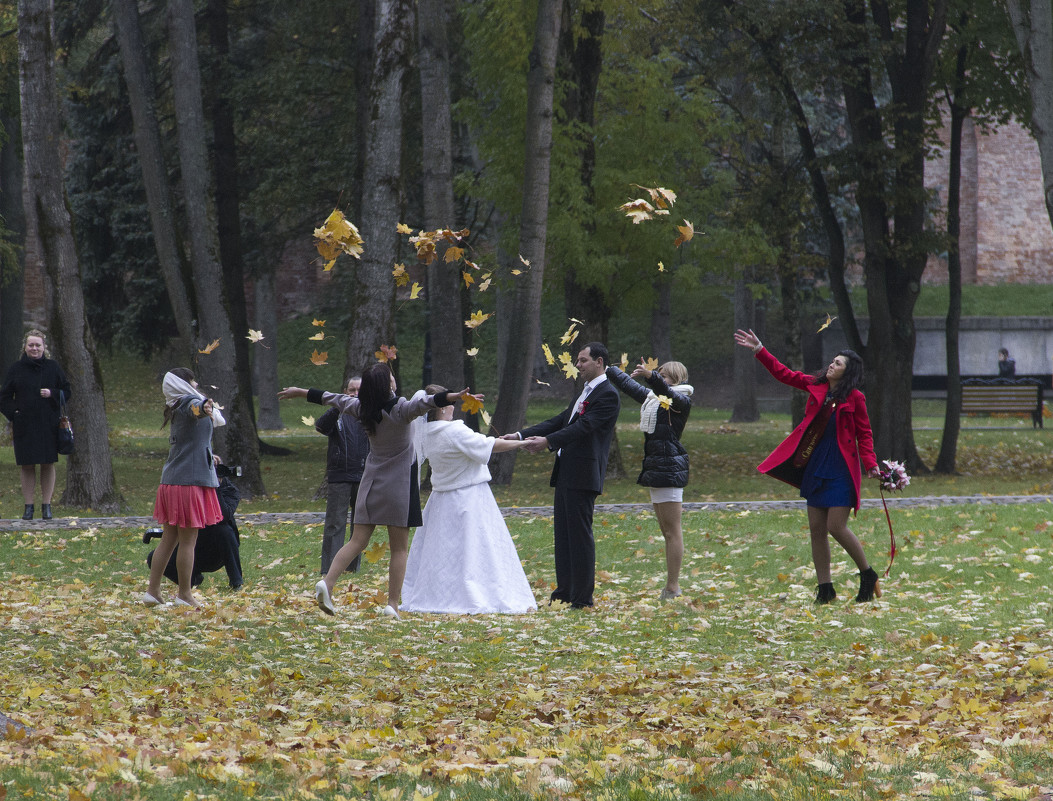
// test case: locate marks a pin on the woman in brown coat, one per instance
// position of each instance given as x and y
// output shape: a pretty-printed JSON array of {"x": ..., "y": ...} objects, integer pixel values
[{"x": 388, "y": 494}]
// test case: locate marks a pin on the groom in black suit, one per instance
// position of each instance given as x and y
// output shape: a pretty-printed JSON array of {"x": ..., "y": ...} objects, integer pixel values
[{"x": 581, "y": 436}]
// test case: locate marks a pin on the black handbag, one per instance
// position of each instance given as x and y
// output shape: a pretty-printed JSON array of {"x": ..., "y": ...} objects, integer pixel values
[{"x": 65, "y": 434}]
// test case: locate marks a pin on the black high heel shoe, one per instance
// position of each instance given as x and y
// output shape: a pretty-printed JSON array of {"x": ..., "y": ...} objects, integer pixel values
[
  {"x": 825, "y": 594},
  {"x": 28, "y": 513},
  {"x": 869, "y": 586},
  {"x": 45, "y": 511}
]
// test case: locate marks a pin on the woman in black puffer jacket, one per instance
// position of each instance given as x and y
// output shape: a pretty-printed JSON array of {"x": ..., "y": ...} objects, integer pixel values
[{"x": 664, "y": 408}]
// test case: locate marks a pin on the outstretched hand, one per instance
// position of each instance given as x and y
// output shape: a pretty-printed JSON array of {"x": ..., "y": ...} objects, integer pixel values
[
  {"x": 464, "y": 393},
  {"x": 748, "y": 339},
  {"x": 292, "y": 392},
  {"x": 641, "y": 370}
]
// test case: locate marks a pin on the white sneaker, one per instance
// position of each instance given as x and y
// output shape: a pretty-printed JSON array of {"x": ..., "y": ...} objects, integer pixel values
[{"x": 321, "y": 595}]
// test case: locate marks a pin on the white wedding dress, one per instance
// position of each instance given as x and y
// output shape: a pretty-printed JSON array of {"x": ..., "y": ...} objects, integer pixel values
[{"x": 462, "y": 559}]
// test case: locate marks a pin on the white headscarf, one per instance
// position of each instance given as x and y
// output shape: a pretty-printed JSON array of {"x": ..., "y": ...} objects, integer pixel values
[{"x": 176, "y": 388}]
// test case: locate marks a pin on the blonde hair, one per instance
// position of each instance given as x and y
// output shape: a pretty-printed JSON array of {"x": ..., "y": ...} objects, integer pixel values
[
  {"x": 36, "y": 332},
  {"x": 675, "y": 372}
]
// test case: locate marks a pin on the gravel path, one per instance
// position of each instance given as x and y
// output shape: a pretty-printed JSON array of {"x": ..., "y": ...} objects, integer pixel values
[{"x": 317, "y": 518}]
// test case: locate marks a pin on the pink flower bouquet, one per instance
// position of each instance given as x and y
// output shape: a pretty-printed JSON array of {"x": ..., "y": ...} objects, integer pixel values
[{"x": 893, "y": 476}]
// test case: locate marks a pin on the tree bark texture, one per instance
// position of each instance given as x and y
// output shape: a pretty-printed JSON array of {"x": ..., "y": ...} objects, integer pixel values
[
  {"x": 1033, "y": 27},
  {"x": 744, "y": 408},
  {"x": 373, "y": 289},
  {"x": 266, "y": 358},
  {"x": 12, "y": 281},
  {"x": 445, "y": 314},
  {"x": 147, "y": 132},
  {"x": 236, "y": 442},
  {"x": 89, "y": 474},
  {"x": 516, "y": 375}
]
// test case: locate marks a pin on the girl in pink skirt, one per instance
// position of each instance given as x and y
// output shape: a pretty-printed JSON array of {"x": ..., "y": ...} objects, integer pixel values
[{"x": 186, "y": 500}]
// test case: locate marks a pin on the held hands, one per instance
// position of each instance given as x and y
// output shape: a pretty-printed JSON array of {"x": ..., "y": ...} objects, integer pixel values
[
  {"x": 535, "y": 444},
  {"x": 292, "y": 392},
  {"x": 748, "y": 340}
]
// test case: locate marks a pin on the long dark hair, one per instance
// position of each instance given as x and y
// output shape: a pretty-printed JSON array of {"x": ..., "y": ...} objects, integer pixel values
[
  {"x": 374, "y": 395},
  {"x": 187, "y": 375},
  {"x": 852, "y": 379}
]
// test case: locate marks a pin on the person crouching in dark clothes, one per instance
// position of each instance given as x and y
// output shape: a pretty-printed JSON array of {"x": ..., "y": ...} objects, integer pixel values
[{"x": 219, "y": 545}]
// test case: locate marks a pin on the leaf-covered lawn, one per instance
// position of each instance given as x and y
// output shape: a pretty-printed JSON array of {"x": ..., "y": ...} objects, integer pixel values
[{"x": 742, "y": 689}]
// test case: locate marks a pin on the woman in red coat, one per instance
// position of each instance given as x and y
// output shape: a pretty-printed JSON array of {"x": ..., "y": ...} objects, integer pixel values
[{"x": 822, "y": 460}]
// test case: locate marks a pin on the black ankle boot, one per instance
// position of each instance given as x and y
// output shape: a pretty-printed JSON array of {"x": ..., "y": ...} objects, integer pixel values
[
  {"x": 869, "y": 588},
  {"x": 45, "y": 511},
  {"x": 28, "y": 513},
  {"x": 825, "y": 594}
]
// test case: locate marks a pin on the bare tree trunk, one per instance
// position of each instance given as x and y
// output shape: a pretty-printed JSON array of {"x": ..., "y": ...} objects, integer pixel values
[
  {"x": 373, "y": 290},
  {"x": 514, "y": 388},
  {"x": 266, "y": 362},
  {"x": 238, "y": 444},
  {"x": 12, "y": 277},
  {"x": 89, "y": 476},
  {"x": 745, "y": 406},
  {"x": 148, "y": 145},
  {"x": 445, "y": 313},
  {"x": 365, "y": 44},
  {"x": 1033, "y": 27}
]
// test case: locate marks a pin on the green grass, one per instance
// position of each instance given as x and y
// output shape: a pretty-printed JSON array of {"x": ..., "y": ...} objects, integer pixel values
[{"x": 740, "y": 690}]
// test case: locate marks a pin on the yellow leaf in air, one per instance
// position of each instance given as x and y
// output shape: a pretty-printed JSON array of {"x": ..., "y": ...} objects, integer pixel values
[
  {"x": 472, "y": 352},
  {"x": 826, "y": 325},
  {"x": 624, "y": 362},
  {"x": 486, "y": 417},
  {"x": 651, "y": 364},
  {"x": 318, "y": 323},
  {"x": 661, "y": 267},
  {"x": 468, "y": 280},
  {"x": 308, "y": 421},
  {"x": 387, "y": 353},
  {"x": 637, "y": 210},
  {"x": 485, "y": 285},
  {"x": 517, "y": 272},
  {"x": 549, "y": 358},
  {"x": 329, "y": 265},
  {"x": 375, "y": 552},
  {"x": 254, "y": 336},
  {"x": 400, "y": 275},
  {"x": 402, "y": 228},
  {"x": 476, "y": 320},
  {"x": 665, "y": 197},
  {"x": 337, "y": 235},
  {"x": 471, "y": 405},
  {"x": 317, "y": 337},
  {"x": 415, "y": 291},
  {"x": 569, "y": 370},
  {"x": 665, "y": 401},
  {"x": 210, "y": 347},
  {"x": 453, "y": 254},
  {"x": 319, "y": 358},
  {"x": 569, "y": 335},
  {"x": 543, "y": 383},
  {"x": 687, "y": 231},
  {"x": 526, "y": 262}
]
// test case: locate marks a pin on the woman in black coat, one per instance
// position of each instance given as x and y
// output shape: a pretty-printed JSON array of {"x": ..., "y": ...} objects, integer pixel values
[
  {"x": 664, "y": 408},
  {"x": 33, "y": 393}
]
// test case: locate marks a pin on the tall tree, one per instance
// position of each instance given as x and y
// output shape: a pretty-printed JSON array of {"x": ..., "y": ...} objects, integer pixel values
[
  {"x": 445, "y": 313},
  {"x": 1033, "y": 26},
  {"x": 373, "y": 291},
  {"x": 148, "y": 144},
  {"x": 238, "y": 439},
  {"x": 525, "y": 328},
  {"x": 12, "y": 232},
  {"x": 89, "y": 477}
]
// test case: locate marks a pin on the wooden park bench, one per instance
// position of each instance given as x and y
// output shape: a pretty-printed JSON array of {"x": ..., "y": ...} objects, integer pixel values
[{"x": 1003, "y": 395}]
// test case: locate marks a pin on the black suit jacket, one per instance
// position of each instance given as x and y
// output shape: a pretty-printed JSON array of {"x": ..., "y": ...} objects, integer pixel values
[{"x": 584, "y": 443}]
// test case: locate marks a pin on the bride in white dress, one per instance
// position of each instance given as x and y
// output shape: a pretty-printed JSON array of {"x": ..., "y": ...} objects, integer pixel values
[{"x": 462, "y": 559}]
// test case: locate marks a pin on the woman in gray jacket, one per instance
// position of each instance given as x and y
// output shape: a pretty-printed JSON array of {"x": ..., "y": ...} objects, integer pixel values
[
  {"x": 388, "y": 494},
  {"x": 186, "y": 499}
]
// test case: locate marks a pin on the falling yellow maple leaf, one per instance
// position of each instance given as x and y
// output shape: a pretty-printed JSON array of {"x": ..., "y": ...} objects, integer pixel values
[
  {"x": 826, "y": 325},
  {"x": 660, "y": 197},
  {"x": 415, "y": 291},
  {"x": 468, "y": 279},
  {"x": 337, "y": 235},
  {"x": 453, "y": 254},
  {"x": 624, "y": 362},
  {"x": 329, "y": 265},
  {"x": 254, "y": 336},
  {"x": 317, "y": 337},
  {"x": 485, "y": 284},
  {"x": 319, "y": 358},
  {"x": 387, "y": 353},
  {"x": 318, "y": 323},
  {"x": 471, "y": 405},
  {"x": 476, "y": 320},
  {"x": 651, "y": 364},
  {"x": 211, "y": 346},
  {"x": 517, "y": 272},
  {"x": 543, "y": 383},
  {"x": 638, "y": 210},
  {"x": 569, "y": 370},
  {"x": 549, "y": 359},
  {"x": 400, "y": 275},
  {"x": 307, "y": 421},
  {"x": 687, "y": 231},
  {"x": 486, "y": 417},
  {"x": 526, "y": 262},
  {"x": 472, "y": 352},
  {"x": 569, "y": 335},
  {"x": 402, "y": 228},
  {"x": 375, "y": 552}
]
